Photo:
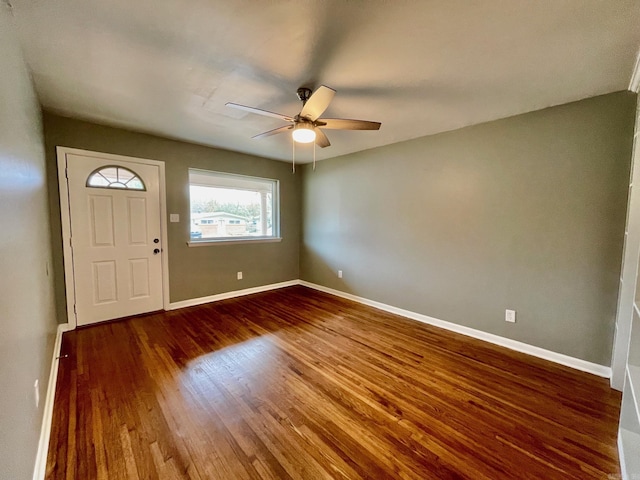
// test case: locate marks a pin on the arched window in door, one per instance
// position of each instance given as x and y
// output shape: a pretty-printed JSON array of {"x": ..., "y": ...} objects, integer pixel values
[{"x": 113, "y": 176}]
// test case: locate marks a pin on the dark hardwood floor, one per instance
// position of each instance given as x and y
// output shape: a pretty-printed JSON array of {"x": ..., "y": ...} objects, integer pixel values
[{"x": 297, "y": 384}]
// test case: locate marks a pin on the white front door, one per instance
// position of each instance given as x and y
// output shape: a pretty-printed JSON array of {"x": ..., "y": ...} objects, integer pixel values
[{"x": 115, "y": 237}]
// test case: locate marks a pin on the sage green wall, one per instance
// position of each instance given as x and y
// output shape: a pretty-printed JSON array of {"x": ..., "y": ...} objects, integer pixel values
[
  {"x": 525, "y": 213},
  {"x": 193, "y": 272},
  {"x": 27, "y": 314}
]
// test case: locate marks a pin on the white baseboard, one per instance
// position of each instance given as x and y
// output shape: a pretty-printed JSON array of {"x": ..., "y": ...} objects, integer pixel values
[
  {"x": 578, "y": 364},
  {"x": 566, "y": 360},
  {"x": 236, "y": 293},
  {"x": 47, "y": 416}
]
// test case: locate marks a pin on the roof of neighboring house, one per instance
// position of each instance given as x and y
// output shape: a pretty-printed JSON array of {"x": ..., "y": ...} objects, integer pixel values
[{"x": 200, "y": 216}]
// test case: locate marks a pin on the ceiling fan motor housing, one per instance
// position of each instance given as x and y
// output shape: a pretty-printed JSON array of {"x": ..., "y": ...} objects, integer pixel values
[{"x": 304, "y": 94}]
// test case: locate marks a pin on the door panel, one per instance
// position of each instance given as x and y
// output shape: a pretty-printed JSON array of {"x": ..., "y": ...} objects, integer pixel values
[
  {"x": 104, "y": 282},
  {"x": 137, "y": 220},
  {"x": 101, "y": 210},
  {"x": 116, "y": 271},
  {"x": 139, "y": 277}
]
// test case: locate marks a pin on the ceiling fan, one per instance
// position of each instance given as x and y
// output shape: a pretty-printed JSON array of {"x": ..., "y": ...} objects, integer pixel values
[{"x": 307, "y": 125}]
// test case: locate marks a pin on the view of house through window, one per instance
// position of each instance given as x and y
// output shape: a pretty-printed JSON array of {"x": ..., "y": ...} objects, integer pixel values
[{"x": 226, "y": 206}]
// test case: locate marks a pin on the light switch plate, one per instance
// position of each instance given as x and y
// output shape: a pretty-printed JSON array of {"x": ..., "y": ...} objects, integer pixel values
[{"x": 174, "y": 217}]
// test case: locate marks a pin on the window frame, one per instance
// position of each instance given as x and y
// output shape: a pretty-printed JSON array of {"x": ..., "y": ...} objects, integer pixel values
[{"x": 226, "y": 181}]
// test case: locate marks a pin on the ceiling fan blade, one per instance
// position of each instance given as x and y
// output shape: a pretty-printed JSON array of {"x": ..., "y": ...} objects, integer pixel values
[
  {"x": 259, "y": 111},
  {"x": 317, "y": 103},
  {"x": 321, "y": 139},
  {"x": 346, "y": 124},
  {"x": 275, "y": 131}
]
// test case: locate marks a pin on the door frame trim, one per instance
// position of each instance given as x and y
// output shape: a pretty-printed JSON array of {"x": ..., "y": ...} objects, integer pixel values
[{"x": 65, "y": 217}]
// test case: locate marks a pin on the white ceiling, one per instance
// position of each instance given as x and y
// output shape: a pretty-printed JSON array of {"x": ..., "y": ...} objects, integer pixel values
[{"x": 418, "y": 66}]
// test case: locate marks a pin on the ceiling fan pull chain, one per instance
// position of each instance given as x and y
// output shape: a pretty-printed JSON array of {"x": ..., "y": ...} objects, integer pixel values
[
  {"x": 314, "y": 156},
  {"x": 294, "y": 155}
]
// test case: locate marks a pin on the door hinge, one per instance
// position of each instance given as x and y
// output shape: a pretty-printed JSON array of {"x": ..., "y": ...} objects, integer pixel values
[
  {"x": 66, "y": 172},
  {"x": 74, "y": 309}
]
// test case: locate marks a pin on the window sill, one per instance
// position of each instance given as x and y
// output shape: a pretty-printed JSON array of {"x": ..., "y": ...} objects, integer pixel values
[{"x": 233, "y": 241}]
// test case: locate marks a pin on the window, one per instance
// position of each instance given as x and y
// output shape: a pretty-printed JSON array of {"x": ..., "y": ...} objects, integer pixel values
[
  {"x": 115, "y": 177},
  {"x": 232, "y": 207}
]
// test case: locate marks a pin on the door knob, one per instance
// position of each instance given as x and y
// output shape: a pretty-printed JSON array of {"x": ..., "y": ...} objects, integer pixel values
[{"x": 156, "y": 251}]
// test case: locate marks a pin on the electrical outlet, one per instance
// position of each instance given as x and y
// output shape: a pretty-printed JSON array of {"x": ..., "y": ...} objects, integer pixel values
[
  {"x": 36, "y": 392},
  {"x": 339, "y": 273},
  {"x": 510, "y": 316},
  {"x": 239, "y": 275},
  {"x": 174, "y": 217}
]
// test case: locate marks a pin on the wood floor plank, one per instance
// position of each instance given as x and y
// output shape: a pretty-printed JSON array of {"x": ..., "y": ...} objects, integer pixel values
[{"x": 298, "y": 384}]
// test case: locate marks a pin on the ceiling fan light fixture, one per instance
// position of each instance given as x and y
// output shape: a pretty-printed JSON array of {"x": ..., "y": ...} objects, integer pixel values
[{"x": 303, "y": 133}]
